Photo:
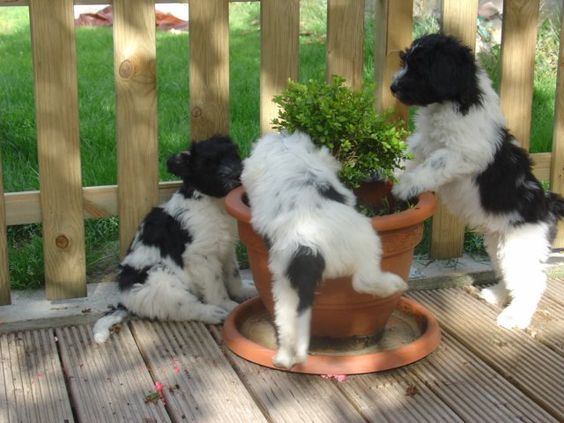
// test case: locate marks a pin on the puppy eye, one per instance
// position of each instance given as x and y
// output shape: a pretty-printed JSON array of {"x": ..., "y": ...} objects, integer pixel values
[{"x": 403, "y": 56}]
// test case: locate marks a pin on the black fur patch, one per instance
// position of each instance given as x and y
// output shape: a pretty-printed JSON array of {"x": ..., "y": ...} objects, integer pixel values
[
  {"x": 329, "y": 192},
  {"x": 212, "y": 167},
  {"x": 163, "y": 231},
  {"x": 304, "y": 272},
  {"x": 438, "y": 68},
  {"x": 129, "y": 276},
  {"x": 508, "y": 184}
]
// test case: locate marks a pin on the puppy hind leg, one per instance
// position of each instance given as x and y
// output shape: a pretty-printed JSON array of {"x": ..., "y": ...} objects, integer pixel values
[
  {"x": 496, "y": 294},
  {"x": 294, "y": 297},
  {"x": 372, "y": 280},
  {"x": 286, "y": 321},
  {"x": 521, "y": 259}
]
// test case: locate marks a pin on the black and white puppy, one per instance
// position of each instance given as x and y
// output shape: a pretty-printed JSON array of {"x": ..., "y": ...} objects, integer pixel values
[
  {"x": 181, "y": 264},
  {"x": 313, "y": 231},
  {"x": 463, "y": 150}
]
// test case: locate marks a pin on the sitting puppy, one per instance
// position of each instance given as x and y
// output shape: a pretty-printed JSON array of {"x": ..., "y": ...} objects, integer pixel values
[
  {"x": 181, "y": 263},
  {"x": 308, "y": 220},
  {"x": 463, "y": 150}
]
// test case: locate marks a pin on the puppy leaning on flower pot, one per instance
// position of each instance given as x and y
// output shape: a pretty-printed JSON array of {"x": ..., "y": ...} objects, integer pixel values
[
  {"x": 463, "y": 150},
  {"x": 307, "y": 218}
]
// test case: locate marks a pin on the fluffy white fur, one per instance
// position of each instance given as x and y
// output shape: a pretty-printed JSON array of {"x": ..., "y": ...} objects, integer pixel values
[
  {"x": 450, "y": 149},
  {"x": 285, "y": 178}
]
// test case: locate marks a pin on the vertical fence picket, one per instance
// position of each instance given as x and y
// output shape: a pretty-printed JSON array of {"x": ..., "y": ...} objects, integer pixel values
[
  {"x": 519, "y": 36},
  {"x": 557, "y": 165},
  {"x": 279, "y": 23},
  {"x": 394, "y": 20},
  {"x": 56, "y": 106},
  {"x": 345, "y": 40},
  {"x": 447, "y": 238},
  {"x": 209, "y": 67},
  {"x": 4, "y": 274},
  {"x": 136, "y": 113}
]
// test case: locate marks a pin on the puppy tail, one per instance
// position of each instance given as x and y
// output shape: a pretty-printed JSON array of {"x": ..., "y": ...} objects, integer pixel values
[
  {"x": 102, "y": 327},
  {"x": 555, "y": 204}
]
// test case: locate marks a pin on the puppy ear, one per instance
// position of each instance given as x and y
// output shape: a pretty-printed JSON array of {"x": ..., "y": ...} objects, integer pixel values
[{"x": 177, "y": 164}]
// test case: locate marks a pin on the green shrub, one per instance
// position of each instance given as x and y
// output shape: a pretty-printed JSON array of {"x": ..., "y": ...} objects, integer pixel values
[{"x": 366, "y": 143}]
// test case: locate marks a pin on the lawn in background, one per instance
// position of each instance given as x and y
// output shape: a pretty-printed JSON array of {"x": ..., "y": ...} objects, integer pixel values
[{"x": 97, "y": 109}]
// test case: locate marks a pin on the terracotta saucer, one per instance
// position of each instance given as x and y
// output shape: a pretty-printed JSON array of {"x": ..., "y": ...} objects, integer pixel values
[{"x": 411, "y": 334}]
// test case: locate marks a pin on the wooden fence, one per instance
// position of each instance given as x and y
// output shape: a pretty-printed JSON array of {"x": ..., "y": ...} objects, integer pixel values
[{"x": 63, "y": 203}]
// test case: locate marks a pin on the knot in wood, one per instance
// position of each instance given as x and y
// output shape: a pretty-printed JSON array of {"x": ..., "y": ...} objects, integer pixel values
[
  {"x": 196, "y": 112},
  {"x": 62, "y": 241},
  {"x": 126, "y": 69}
]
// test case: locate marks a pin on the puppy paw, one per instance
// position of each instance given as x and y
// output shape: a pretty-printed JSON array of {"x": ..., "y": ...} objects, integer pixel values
[
  {"x": 384, "y": 285},
  {"x": 513, "y": 318},
  {"x": 284, "y": 359},
  {"x": 496, "y": 295},
  {"x": 213, "y": 314},
  {"x": 228, "y": 305},
  {"x": 405, "y": 188},
  {"x": 246, "y": 291}
]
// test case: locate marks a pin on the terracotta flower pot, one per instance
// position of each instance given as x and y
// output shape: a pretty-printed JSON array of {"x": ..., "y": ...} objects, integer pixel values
[{"x": 338, "y": 310}]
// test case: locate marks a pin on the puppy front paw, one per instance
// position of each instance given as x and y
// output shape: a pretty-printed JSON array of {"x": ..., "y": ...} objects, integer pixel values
[
  {"x": 246, "y": 291},
  {"x": 213, "y": 314},
  {"x": 406, "y": 188}
]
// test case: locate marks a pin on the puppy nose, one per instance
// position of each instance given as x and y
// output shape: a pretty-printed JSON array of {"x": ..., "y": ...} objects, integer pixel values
[{"x": 394, "y": 87}]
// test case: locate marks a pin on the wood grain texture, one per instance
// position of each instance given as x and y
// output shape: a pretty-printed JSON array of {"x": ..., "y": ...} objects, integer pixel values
[
  {"x": 209, "y": 68},
  {"x": 136, "y": 113},
  {"x": 204, "y": 387},
  {"x": 292, "y": 397},
  {"x": 32, "y": 388},
  {"x": 532, "y": 367},
  {"x": 101, "y": 201},
  {"x": 108, "y": 382},
  {"x": 390, "y": 16},
  {"x": 447, "y": 238},
  {"x": 557, "y": 164},
  {"x": 4, "y": 273},
  {"x": 279, "y": 53},
  {"x": 345, "y": 40},
  {"x": 518, "y": 44},
  {"x": 56, "y": 111}
]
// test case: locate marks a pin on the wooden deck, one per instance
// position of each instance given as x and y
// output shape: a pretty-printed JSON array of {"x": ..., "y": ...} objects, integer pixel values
[{"x": 480, "y": 373}]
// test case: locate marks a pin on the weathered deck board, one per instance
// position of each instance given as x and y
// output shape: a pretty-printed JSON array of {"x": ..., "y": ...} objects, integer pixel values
[
  {"x": 33, "y": 388},
  {"x": 200, "y": 384},
  {"x": 396, "y": 396},
  {"x": 291, "y": 397},
  {"x": 472, "y": 389},
  {"x": 532, "y": 367},
  {"x": 108, "y": 382}
]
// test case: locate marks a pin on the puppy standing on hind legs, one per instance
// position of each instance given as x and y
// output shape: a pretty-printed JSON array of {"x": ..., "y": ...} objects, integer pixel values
[
  {"x": 181, "y": 264},
  {"x": 463, "y": 151},
  {"x": 308, "y": 220}
]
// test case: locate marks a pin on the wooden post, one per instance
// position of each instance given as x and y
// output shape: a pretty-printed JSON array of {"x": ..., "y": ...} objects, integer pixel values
[
  {"x": 209, "y": 68},
  {"x": 519, "y": 37},
  {"x": 4, "y": 273},
  {"x": 447, "y": 237},
  {"x": 280, "y": 28},
  {"x": 136, "y": 113},
  {"x": 345, "y": 40},
  {"x": 56, "y": 107},
  {"x": 557, "y": 165},
  {"x": 394, "y": 20}
]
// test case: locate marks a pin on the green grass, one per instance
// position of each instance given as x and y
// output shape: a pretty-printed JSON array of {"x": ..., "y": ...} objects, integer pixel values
[{"x": 97, "y": 110}]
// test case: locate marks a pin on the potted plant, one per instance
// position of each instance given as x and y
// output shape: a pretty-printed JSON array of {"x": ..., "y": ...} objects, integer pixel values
[{"x": 367, "y": 144}]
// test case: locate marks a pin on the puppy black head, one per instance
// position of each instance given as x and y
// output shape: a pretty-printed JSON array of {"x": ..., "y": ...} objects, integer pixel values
[
  {"x": 437, "y": 68},
  {"x": 213, "y": 167}
]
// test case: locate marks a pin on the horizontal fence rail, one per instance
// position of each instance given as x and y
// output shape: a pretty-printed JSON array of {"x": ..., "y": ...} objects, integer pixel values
[{"x": 62, "y": 203}]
